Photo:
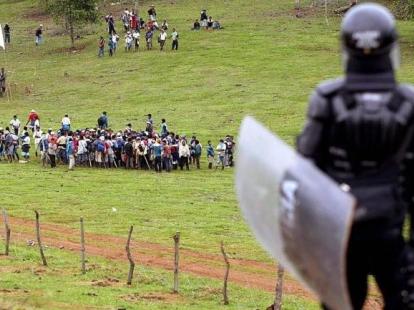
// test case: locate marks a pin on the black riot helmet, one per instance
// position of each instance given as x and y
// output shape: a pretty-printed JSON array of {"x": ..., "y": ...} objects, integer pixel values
[{"x": 369, "y": 40}]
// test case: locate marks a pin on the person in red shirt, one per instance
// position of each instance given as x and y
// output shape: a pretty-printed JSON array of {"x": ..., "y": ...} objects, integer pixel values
[
  {"x": 32, "y": 118},
  {"x": 133, "y": 21}
]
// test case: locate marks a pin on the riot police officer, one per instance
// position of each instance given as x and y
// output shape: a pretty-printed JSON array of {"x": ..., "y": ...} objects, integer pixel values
[{"x": 359, "y": 131}]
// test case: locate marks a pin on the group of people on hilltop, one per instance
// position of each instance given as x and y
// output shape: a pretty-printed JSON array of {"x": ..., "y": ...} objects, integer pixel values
[
  {"x": 133, "y": 26},
  {"x": 206, "y": 22},
  {"x": 100, "y": 146}
]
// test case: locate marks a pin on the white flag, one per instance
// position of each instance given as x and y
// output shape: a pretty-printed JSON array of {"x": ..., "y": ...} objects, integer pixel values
[{"x": 2, "y": 38}]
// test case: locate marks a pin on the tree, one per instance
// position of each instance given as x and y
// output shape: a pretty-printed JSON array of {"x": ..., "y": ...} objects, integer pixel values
[{"x": 73, "y": 13}]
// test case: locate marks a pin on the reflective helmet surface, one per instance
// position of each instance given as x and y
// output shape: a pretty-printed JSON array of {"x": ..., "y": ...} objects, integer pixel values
[{"x": 368, "y": 29}]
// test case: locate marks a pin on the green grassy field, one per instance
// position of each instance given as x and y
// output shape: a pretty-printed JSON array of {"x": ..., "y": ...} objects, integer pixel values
[{"x": 264, "y": 63}]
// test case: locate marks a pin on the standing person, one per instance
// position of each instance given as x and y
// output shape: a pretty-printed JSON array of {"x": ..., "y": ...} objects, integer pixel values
[
  {"x": 221, "y": 152},
  {"x": 174, "y": 37},
  {"x": 65, "y": 123},
  {"x": 129, "y": 154},
  {"x": 184, "y": 153},
  {"x": 82, "y": 152},
  {"x": 166, "y": 155},
  {"x": 39, "y": 35},
  {"x": 103, "y": 121},
  {"x": 152, "y": 13},
  {"x": 70, "y": 151},
  {"x": 15, "y": 124},
  {"x": 101, "y": 47},
  {"x": 198, "y": 149},
  {"x": 26, "y": 146},
  {"x": 61, "y": 146},
  {"x": 115, "y": 39},
  {"x": 164, "y": 128},
  {"x": 128, "y": 41},
  {"x": 164, "y": 25},
  {"x": 2, "y": 82},
  {"x": 7, "y": 35},
  {"x": 52, "y": 149},
  {"x": 148, "y": 38},
  {"x": 210, "y": 155},
  {"x": 360, "y": 132},
  {"x": 133, "y": 21},
  {"x": 110, "y": 46},
  {"x": 136, "y": 37},
  {"x": 162, "y": 38},
  {"x": 111, "y": 24},
  {"x": 37, "y": 136},
  {"x": 43, "y": 147},
  {"x": 203, "y": 18},
  {"x": 157, "y": 150},
  {"x": 33, "y": 120}
]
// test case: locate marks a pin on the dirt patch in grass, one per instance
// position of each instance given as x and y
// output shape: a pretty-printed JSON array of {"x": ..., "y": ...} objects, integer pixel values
[
  {"x": 36, "y": 15},
  {"x": 164, "y": 297}
]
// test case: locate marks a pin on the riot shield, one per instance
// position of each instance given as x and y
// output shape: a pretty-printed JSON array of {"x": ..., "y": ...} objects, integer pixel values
[{"x": 300, "y": 216}]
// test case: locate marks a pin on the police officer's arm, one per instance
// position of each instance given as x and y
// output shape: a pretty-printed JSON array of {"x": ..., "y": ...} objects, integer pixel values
[{"x": 311, "y": 143}]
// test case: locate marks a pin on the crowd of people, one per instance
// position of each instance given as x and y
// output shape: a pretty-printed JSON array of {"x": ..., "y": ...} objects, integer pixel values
[
  {"x": 148, "y": 149},
  {"x": 133, "y": 26},
  {"x": 206, "y": 22}
]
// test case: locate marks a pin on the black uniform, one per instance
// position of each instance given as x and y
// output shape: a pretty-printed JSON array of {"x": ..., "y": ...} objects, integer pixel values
[{"x": 360, "y": 132}]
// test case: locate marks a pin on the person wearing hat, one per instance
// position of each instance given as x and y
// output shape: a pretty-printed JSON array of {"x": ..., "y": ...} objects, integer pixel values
[
  {"x": 33, "y": 119},
  {"x": 39, "y": 35}
]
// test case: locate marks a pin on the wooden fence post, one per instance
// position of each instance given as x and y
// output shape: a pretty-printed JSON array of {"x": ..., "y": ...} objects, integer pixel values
[
  {"x": 82, "y": 249},
  {"x": 176, "y": 238},
  {"x": 130, "y": 259},
  {"x": 279, "y": 287},
  {"x": 39, "y": 241},
  {"x": 8, "y": 232},
  {"x": 226, "y": 275}
]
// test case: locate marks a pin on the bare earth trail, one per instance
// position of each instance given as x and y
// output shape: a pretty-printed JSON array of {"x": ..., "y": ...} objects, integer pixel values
[{"x": 247, "y": 273}]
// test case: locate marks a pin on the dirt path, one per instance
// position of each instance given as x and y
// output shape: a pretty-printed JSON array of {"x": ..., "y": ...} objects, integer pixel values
[{"x": 247, "y": 273}]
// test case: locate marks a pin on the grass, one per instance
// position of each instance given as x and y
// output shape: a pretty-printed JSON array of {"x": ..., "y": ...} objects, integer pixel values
[{"x": 264, "y": 63}]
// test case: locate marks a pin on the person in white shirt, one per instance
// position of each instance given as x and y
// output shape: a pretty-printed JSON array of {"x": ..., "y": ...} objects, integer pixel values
[
  {"x": 37, "y": 136},
  {"x": 82, "y": 151},
  {"x": 15, "y": 124},
  {"x": 128, "y": 41},
  {"x": 184, "y": 154},
  {"x": 136, "y": 36},
  {"x": 162, "y": 38},
  {"x": 26, "y": 146},
  {"x": 65, "y": 123},
  {"x": 115, "y": 39},
  {"x": 174, "y": 37}
]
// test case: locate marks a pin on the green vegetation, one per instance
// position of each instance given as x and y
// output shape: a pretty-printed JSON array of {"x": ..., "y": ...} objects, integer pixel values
[{"x": 264, "y": 63}]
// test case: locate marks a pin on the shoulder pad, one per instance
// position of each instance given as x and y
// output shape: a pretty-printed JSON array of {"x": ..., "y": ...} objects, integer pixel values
[
  {"x": 407, "y": 91},
  {"x": 328, "y": 88}
]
